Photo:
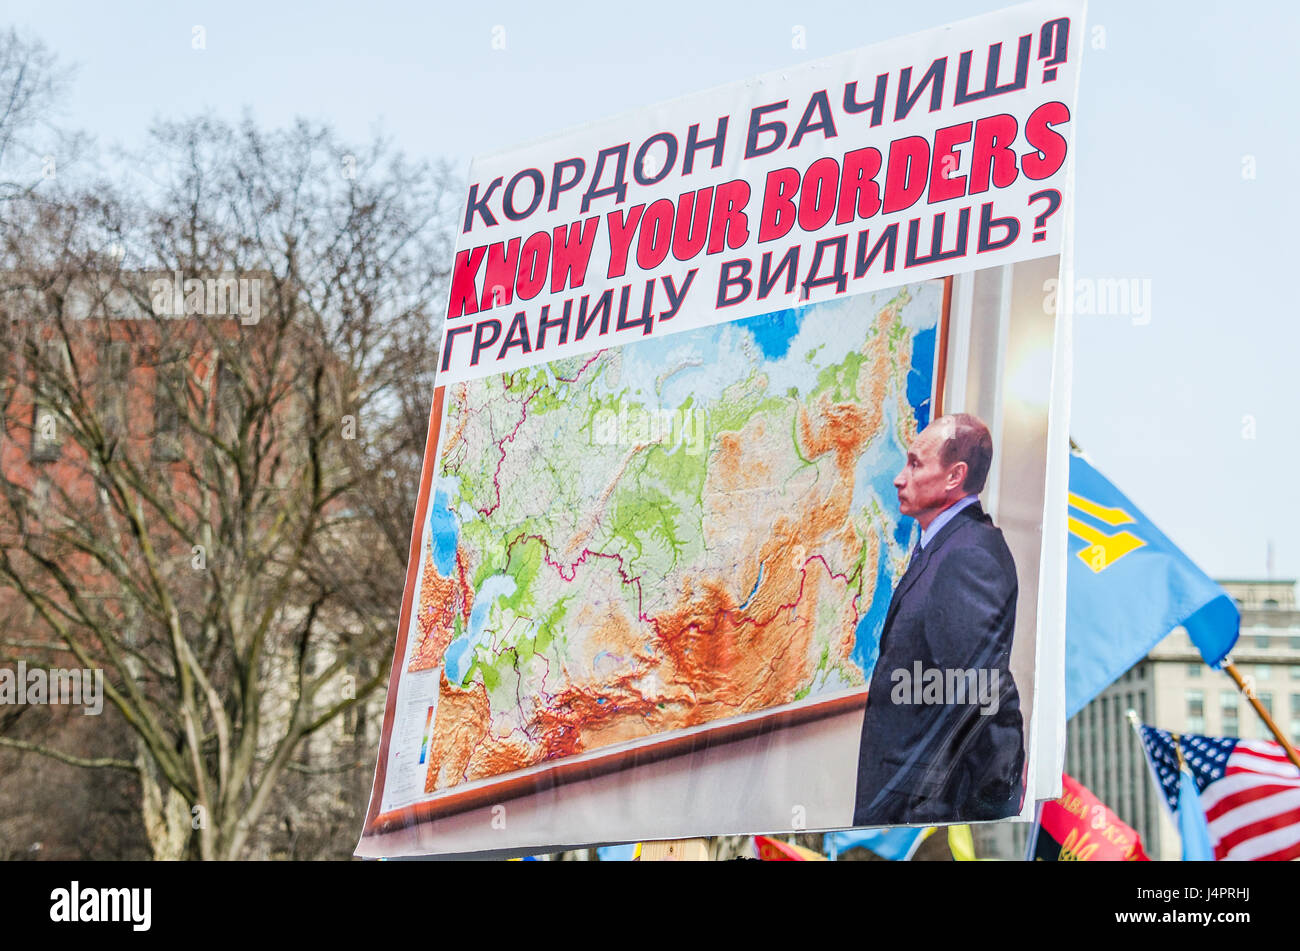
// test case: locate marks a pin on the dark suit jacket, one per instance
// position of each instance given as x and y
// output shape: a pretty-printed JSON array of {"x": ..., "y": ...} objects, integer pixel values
[{"x": 954, "y": 609}]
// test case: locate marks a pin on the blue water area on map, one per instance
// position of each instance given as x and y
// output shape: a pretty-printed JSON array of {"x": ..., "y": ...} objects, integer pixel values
[
  {"x": 866, "y": 644},
  {"x": 903, "y": 533},
  {"x": 885, "y": 461},
  {"x": 459, "y": 656},
  {"x": 876, "y": 470},
  {"x": 920, "y": 384},
  {"x": 456, "y": 659},
  {"x": 773, "y": 332},
  {"x": 754, "y": 591},
  {"x": 920, "y": 377},
  {"x": 444, "y": 528}
]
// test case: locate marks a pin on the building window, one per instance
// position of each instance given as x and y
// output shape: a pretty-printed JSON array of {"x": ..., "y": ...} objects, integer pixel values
[
  {"x": 1228, "y": 712},
  {"x": 1130, "y": 788},
  {"x": 6, "y": 391},
  {"x": 169, "y": 390},
  {"x": 229, "y": 403},
  {"x": 1106, "y": 759},
  {"x": 1295, "y": 671},
  {"x": 1270, "y": 603},
  {"x": 46, "y": 438},
  {"x": 1263, "y": 671},
  {"x": 1262, "y": 640},
  {"x": 47, "y": 427},
  {"x": 1295, "y": 643},
  {"x": 1265, "y": 701},
  {"x": 1193, "y": 670},
  {"x": 41, "y": 502},
  {"x": 1196, "y": 711},
  {"x": 112, "y": 384}
]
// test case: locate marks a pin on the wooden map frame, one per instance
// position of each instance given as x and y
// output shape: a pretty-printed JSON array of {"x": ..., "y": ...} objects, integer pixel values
[{"x": 541, "y": 776}]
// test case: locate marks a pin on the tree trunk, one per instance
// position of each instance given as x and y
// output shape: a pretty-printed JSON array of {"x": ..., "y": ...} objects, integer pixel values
[{"x": 166, "y": 816}]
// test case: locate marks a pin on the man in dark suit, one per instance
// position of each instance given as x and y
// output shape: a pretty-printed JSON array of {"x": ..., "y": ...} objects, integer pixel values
[{"x": 942, "y": 737}]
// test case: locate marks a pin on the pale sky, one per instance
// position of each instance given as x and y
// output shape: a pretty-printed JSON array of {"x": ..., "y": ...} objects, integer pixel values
[{"x": 1177, "y": 102}]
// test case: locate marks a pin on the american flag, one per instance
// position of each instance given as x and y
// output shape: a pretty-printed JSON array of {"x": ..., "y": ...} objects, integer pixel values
[{"x": 1249, "y": 790}]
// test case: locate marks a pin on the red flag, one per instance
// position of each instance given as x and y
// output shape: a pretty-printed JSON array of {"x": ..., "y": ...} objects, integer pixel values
[
  {"x": 774, "y": 850},
  {"x": 1079, "y": 827}
]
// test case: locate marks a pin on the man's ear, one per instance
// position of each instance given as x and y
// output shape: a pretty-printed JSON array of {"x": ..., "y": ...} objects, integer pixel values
[{"x": 957, "y": 475}]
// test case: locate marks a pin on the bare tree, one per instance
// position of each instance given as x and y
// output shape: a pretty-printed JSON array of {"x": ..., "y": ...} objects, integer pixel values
[
  {"x": 32, "y": 145},
  {"x": 215, "y": 414}
]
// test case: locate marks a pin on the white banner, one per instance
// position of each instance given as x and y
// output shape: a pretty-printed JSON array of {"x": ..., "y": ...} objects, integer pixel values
[
  {"x": 942, "y": 152},
  {"x": 672, "y": 588}
]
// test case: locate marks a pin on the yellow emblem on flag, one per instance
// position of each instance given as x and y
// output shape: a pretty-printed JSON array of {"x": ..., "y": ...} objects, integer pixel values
[{"x": 1102, "y": 550}]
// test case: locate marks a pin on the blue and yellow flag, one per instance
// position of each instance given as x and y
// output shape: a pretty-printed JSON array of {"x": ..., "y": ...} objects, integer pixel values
[
  {"x": 897, "y": 845},
  {"x": 1127, "y": 587}
]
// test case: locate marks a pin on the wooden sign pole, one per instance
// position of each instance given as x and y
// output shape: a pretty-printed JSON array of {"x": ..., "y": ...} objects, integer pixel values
[{"x": 675, "y": 850}]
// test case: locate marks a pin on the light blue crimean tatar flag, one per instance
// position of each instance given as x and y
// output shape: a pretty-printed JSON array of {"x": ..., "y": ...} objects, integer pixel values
[
  {"x": 897, "y": 845},
  {"x": 1191, "y": 821},
  {"x": 1127, "y": 587}
]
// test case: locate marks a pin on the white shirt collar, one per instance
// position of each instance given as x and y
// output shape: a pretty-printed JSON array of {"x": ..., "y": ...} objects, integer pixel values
[{"x": 946, "y": 516}]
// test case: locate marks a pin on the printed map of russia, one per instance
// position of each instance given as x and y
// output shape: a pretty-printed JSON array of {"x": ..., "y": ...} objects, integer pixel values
[{"x": 670, "y": 533}]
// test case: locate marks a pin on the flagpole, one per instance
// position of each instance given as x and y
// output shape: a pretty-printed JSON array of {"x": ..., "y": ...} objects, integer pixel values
[
  {"x": 1136, "y": 723},
  {"x": 1031, "y": 847},
  {"x": 1249, "y": 694}
]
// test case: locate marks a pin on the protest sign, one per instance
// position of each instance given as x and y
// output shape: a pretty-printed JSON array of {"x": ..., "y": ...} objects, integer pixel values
[{"x": 686, "y": 353}]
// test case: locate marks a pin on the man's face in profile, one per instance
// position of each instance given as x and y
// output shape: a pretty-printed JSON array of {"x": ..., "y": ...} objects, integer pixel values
[{"x": 925, "y": 486}]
